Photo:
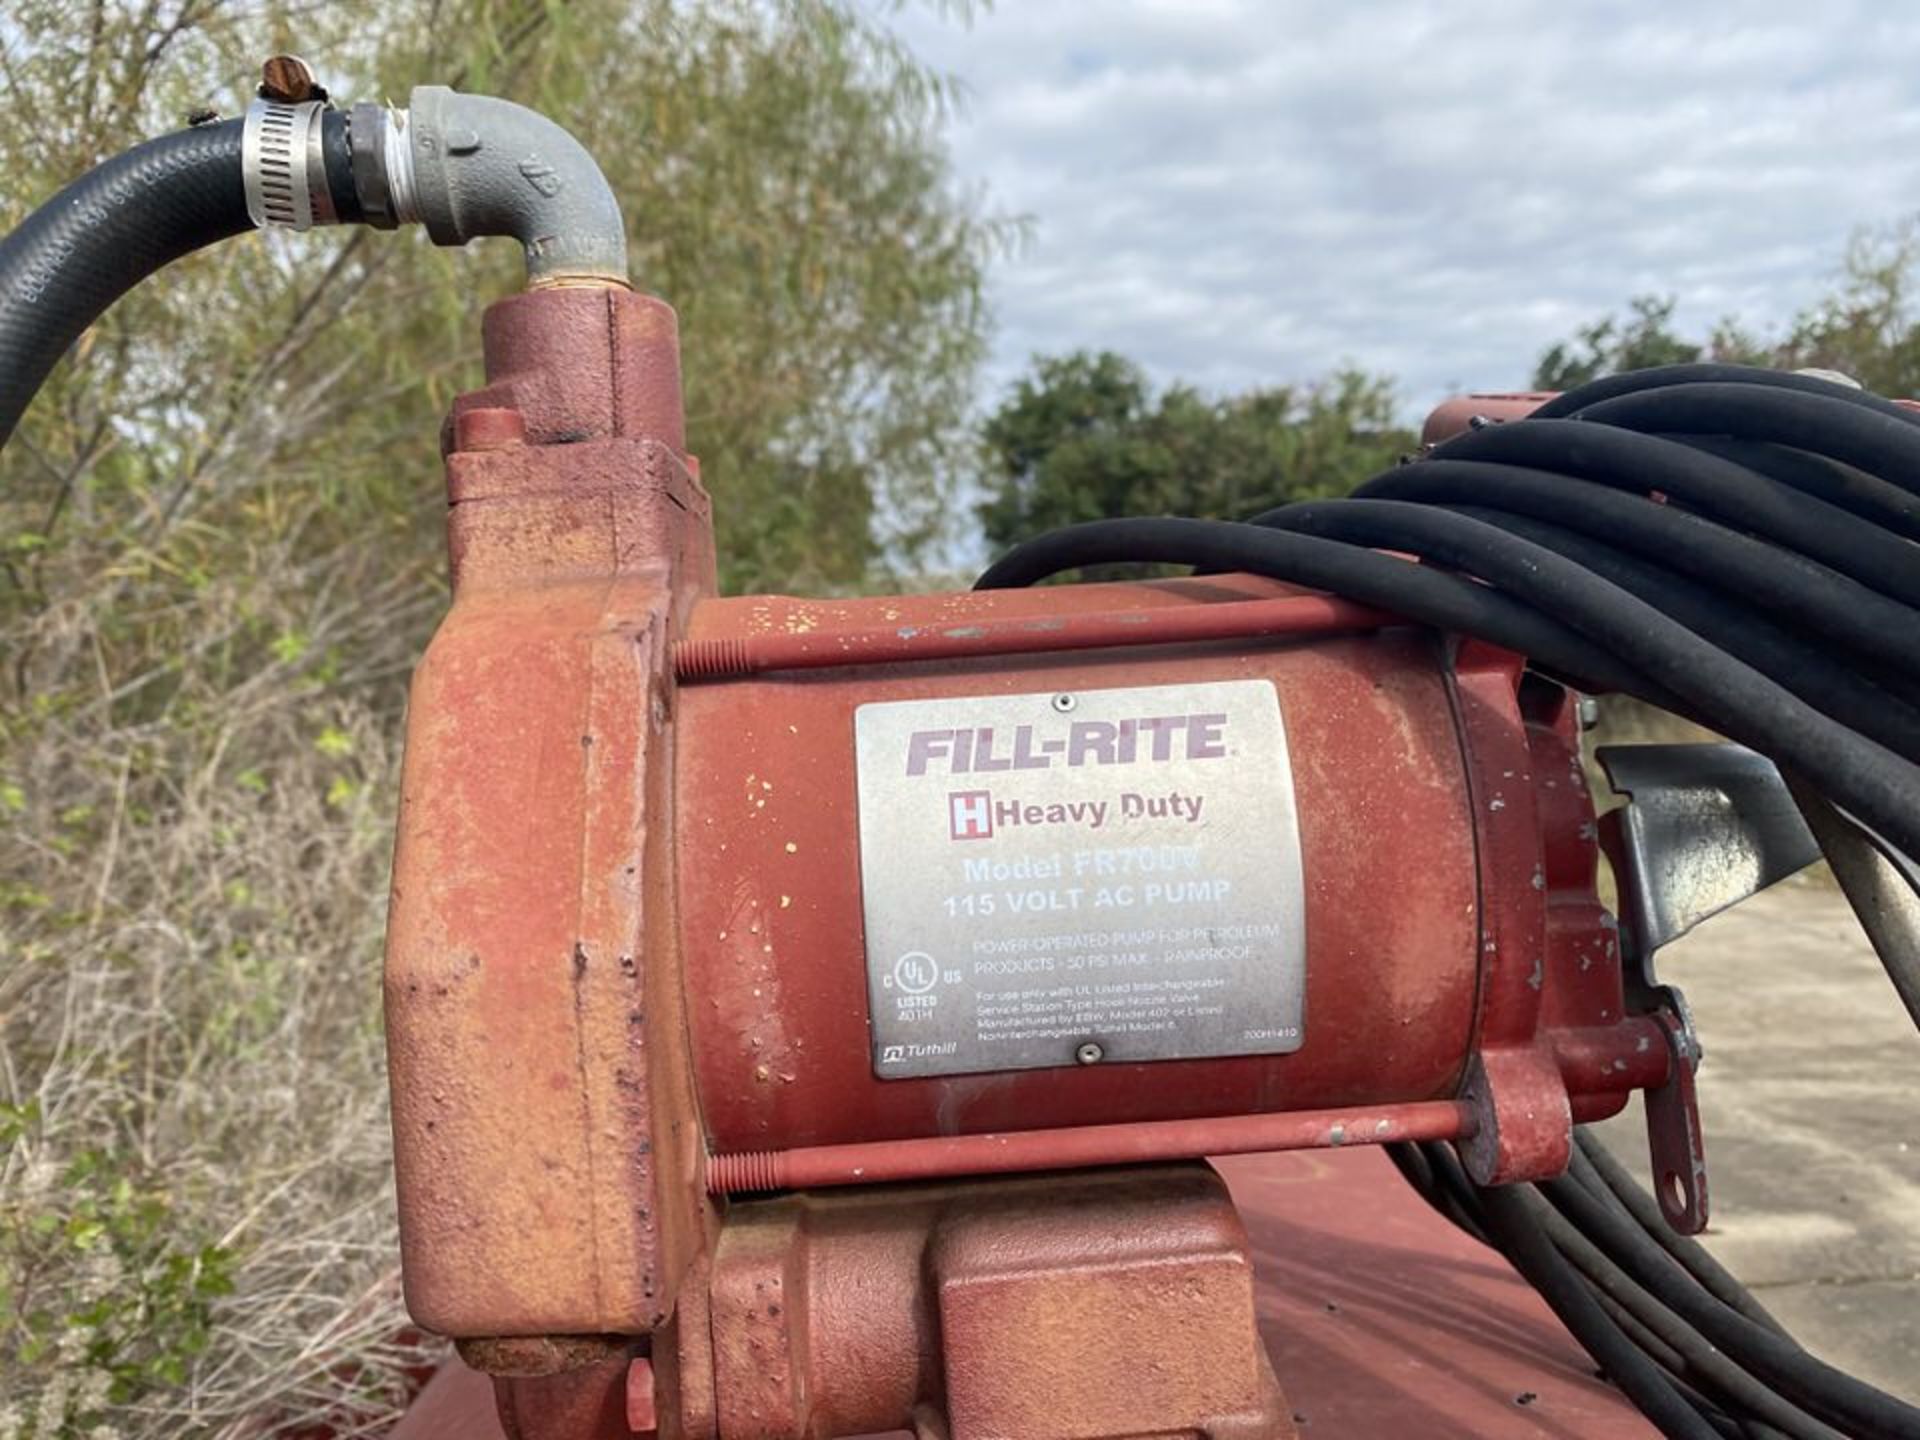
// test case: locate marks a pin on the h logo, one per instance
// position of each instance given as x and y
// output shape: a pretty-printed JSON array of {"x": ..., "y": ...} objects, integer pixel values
[{"x": 970, "y": 813}]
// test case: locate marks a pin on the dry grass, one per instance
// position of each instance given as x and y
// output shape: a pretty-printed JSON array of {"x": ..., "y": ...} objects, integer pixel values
[
  {"x": 218, "y": 532},
  {"x": 196, "y": 1217},
  {"x": 196, "y": 1214}
]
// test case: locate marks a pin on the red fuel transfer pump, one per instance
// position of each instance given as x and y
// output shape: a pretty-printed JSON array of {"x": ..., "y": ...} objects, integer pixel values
[{"x": 811, "y": 1017}]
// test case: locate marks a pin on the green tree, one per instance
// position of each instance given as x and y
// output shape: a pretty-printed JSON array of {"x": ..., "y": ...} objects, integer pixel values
[
  {"x": 220, "y": 552},
  {"x": 1643, "y": 337},
  {"x": 1867, "y": 327},
  {"x": 1085, "y": 436}
]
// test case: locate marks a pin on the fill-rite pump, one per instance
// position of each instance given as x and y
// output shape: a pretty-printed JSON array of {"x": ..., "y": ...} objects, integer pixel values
[{"x": 810, "y": 1018}]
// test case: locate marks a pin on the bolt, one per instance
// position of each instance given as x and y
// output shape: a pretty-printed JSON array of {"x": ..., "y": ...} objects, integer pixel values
[
  {"x": 643, "y": 1413},
  {"x": 1090, "y": 1053},
  {"x": 489, "y": 428},
  {"x": 1063, "y": 703}
]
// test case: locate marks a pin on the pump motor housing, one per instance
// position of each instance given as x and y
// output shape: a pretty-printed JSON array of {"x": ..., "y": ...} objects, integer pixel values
[{"x": 702, "y": 898}]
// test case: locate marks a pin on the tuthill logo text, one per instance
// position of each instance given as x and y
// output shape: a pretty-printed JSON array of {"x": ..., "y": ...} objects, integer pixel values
[{"x": 970, "y": 814}]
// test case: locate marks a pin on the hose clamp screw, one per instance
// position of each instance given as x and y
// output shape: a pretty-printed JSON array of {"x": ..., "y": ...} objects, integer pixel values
[{"x": 290, "y": 80}]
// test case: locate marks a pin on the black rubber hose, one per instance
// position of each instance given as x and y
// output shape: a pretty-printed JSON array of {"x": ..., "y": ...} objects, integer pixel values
[
  {"x": 1874, "y": 783},
  {"x": 1676, "y": 1347},
  {"x": 1411, "y": 1159},
  {"x": 1591, "y": 1158},
  {"x": 1751, "y": 636},
  {"x": 1745, "y": 1427},
  {"x": 1881, "y": 444},
  {"x": 1451, "y": 1176},
  {"x": 1661, "y": 659},
  {"x": 1851, "y": 1404},
  {"x": 1435, "y": 1174},
  {"x": 1808, "y": 671},
  {"x": 1640, "y": 463},
  {"x": 1631, "y": 382},
  {"x": 1420, "y": 594},
  {"x": 1673, "y": 1343},
  {"x": 1880, "y": 707},
  {"x": 1880, "y": 882},
  {"x": 1533, "y": 1255},
  {"x": 1702, "y": 1363},
  {"x": 1854, "y": 491},
  {"x": 1814, "y": 598},
  {"x": 103, "y": 234},
  {"x": 1671, "y": 1362}
]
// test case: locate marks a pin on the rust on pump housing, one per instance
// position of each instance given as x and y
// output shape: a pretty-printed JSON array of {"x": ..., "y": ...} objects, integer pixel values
[
  {"x": 792, "y": 836},
  {"x": 716, "y": 920},
  {"x": 1130, "y": 872},
  {"x": 802, "y": 986}
]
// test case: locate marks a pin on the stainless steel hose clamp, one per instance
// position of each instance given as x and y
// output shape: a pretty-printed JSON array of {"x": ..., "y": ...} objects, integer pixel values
[{"x": 283, "y": 165}]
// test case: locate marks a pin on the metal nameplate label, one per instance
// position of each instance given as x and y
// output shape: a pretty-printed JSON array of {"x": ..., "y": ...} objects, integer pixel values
[{"x": 1094, "y": 877}]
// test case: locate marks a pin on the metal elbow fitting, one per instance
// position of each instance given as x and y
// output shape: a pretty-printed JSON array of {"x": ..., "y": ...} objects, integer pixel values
[
  {"x": 463, "y": 165},
  {"x": 483, "y": 166}
]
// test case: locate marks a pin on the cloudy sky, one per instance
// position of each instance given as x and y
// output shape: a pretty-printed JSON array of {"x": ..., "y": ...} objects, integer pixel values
[{"x": 1245, "y": 191}]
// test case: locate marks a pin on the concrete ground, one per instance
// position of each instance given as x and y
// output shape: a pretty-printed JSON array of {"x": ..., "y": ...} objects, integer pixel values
[{"x": 1810, "y": 1095}]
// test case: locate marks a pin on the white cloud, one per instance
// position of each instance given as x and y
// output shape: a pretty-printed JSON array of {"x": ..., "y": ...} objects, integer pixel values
[{"x": 1237, "y": 193}]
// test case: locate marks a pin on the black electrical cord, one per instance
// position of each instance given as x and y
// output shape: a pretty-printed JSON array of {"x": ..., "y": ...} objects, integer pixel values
[
  {"x": 107, "y": 231},
  {"x": 1733, "y": 544}
]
